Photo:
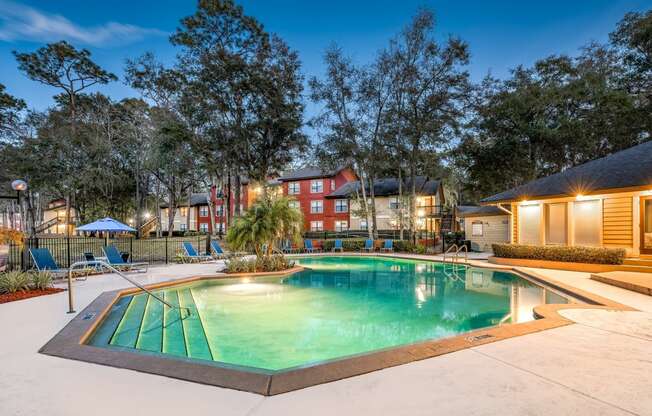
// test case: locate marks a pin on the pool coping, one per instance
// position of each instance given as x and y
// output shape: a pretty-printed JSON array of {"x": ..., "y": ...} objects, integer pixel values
[{"x": 70, "y": 342}]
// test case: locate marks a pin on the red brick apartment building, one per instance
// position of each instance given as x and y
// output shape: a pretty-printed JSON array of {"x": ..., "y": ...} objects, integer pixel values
[{"x": 310, "y": 186}]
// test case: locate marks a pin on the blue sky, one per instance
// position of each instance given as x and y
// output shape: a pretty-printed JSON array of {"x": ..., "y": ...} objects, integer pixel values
[{"x": 501, "y": 34}]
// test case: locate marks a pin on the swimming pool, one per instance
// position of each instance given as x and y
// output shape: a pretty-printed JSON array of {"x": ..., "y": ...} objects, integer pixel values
[{"x": 340, "y": 306}]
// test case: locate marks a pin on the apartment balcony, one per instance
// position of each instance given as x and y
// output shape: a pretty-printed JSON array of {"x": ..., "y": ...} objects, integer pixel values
[{"x": 432, "y": 211}]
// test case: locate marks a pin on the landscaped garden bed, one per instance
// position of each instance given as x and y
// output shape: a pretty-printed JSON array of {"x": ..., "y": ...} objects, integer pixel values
[
  {"x": 18, "y": 285},
  {"x": 10, "y": 297}
]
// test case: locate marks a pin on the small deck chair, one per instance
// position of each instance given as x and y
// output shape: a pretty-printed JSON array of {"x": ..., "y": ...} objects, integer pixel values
[
  {"x": 388, "y": 246},
  {"x": 216, "y": 249},
  {"x": 338, "y": 246},
  {"x": 286, "y": 247},
  {"x": 44, "y": 262},
  {"x": 192, "y": 254},
  {"x": 114, "y": 258},
  {"x": 368, "y": 245},
  {"x": 308, "y": 247}
]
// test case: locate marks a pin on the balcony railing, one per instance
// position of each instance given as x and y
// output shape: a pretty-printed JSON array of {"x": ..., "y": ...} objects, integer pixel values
[{"x": 431, "y": 211}]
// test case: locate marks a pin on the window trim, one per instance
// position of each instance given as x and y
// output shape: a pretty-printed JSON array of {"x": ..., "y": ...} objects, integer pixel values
[
  {"x": 473, "y": 229},
  {"x": 346, "y": 205},
  {"x": 317, "y": 229},
  {"x": 291, "y": 185},
  {"x": 321, "y": 186},
  {"x": 203, "y": 211},
  {"x": 338, "y": 225},
  {"x": 321, "y": 204}
]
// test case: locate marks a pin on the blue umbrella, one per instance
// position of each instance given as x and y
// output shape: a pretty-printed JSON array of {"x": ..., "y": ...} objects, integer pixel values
[{"x": 107, "y": 224}]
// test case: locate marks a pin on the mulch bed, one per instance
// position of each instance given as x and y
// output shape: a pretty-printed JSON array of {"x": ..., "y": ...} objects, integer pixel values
[{"x": 10, "y": 297}]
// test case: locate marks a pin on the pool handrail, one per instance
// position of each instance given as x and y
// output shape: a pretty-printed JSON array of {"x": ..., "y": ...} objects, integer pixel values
[{"x": 102, "y": 263}]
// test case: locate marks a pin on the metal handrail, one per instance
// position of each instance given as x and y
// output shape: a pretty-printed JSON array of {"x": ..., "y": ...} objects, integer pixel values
[
  {"x": 71, "y": 308},
  {"x": 454, "y": 246},
  {"x": 466, "y": 253}
]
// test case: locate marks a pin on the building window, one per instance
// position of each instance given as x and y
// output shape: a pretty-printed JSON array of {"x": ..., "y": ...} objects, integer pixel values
[
  {"x": 203, "y": 227},
  {"x": 587, "y": 219},
  {"x": 183, "y": 226},
  {"x": 316, "y": 207},
  {"x": 341, "y": 225},
  {"x": 219, "y": 210},
  {"x": 203, "y": 211},
  {"x": 294, "y": 188},
  {"x": 529, "y": 223},
  {"x": 556, "y": 224},
  {"x": 294, "y": 204},
  {"x": 183, "y": 211},
  {"x": 476, "y": 228},
  {"x": 393, "y": 203},
  {"x": 341, "y": 205},
  {"x": 316, "y": 186},
  {"x": 363, "y": 224},
  {"x": 332, "y": 184},
  {"x": 316, "y": 225}
]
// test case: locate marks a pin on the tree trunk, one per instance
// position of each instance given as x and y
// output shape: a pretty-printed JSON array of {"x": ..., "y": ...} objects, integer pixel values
[
  {"x": 31, "y": 214},
  {"x": 68, "y": 215},
  {"x": 226, "y": 209},
  {"x": 172, "y": 206},
  {"x": 188, "y": 207},
  {"x": 401, "y": 210},
  {"x": 238, "y": 196},
  {"x": 211, "y": 205},
  {"x": 372, "y": 195},
  {"x": 413, "y": 194},
  {"x": 365, "y": 206}
]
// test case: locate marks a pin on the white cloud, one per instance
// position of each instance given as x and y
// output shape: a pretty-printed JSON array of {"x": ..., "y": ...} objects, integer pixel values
[{"x": 21, "y": 22}]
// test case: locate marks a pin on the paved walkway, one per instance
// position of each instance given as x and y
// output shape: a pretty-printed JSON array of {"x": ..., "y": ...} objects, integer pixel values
[{"x": 600, "y": 366}]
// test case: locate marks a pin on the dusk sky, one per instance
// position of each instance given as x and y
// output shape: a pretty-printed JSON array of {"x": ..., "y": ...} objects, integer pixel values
[{"x": 501, "y": 34}]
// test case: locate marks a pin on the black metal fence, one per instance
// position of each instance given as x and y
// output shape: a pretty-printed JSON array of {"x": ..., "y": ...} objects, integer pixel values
[{"x": 67, "y": 250}]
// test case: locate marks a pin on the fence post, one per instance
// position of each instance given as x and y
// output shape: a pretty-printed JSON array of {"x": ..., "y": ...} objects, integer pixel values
[
  {"x": 208, "y": 244},
  {"x": 131, "y": 249},
  {"x": 166, "y": 249}
]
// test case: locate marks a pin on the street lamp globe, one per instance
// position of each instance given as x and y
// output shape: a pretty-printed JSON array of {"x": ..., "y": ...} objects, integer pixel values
[{"x": 19, "y": 185}]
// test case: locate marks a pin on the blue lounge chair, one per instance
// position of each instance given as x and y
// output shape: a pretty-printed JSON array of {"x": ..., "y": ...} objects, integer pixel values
[
  {"x": 368, "y": 245},
  {"x": 44, "y": 262},
  {"x": 286, "y": 247},
  {"x": 388, "y": 246},
  {"x": 308, "y": 247},
  {"x": 114, "y": 258},
  {"x": 216, "y": 249},
  {"x": 192, "y": 254},
  {"x": 338, "y": 246}
]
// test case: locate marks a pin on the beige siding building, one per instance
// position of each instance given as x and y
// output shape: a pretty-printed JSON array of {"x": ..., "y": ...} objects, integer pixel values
[
  {"x": 603, "y": 203},
  {"x": 484, "y": 226},
  {"x": 430, "y": 203}
]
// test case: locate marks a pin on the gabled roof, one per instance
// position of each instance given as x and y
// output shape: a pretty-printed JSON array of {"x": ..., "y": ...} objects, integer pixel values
[
  {"x": 310, "y": 172},
  {"x": 196, "y": 199},
  {"x": 464, "y": 211},
  {"x": 389, "y": 187},
  {"x": 628, "y": 168}
]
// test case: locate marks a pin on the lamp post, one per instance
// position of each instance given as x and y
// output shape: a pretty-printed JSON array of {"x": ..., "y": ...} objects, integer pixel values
[{"x": 18, "y": 185}]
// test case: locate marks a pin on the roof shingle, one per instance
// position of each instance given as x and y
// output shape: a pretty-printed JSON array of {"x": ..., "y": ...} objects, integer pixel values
[{"x": 625, "y": 169}]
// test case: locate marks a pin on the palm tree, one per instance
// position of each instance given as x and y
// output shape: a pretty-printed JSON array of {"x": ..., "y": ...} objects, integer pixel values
[{"x": 268, "y": 221}]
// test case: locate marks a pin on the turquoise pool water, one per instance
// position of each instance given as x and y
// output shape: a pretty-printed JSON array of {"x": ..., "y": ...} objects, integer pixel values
[{"x": 342, "y": 306}]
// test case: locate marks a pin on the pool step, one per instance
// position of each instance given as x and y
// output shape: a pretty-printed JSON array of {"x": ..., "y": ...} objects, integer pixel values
[{"x": 144, "y": 323}]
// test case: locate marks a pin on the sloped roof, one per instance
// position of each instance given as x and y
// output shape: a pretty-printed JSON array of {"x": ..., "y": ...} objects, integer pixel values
[
  {"x": 481, "y": 211},
  {"x": 310, "y": 172},
  {"x": 196, "y": 199},
  {"x": 389, "y": 187},
  {"x": 625, "y": 169}
]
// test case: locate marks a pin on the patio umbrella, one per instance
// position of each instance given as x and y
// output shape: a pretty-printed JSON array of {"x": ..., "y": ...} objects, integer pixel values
[{"x": 107, "y": 224}]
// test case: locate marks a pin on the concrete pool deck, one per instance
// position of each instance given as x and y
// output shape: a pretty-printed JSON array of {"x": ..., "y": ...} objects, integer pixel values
[{"x": 602, "y": 365}]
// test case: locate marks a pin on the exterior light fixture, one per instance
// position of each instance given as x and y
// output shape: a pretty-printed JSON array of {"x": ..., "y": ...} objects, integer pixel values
[{"x": 19, "y": 185}]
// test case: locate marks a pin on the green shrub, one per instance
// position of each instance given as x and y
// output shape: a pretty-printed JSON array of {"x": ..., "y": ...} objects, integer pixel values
[
  {"x": 593, "y": 255},
  {"x": 15, "y": 281},
  {"x": 357, "y": 244},
  {"x": 274, "y": 263},
  {"x": 41, "y": 280}
]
